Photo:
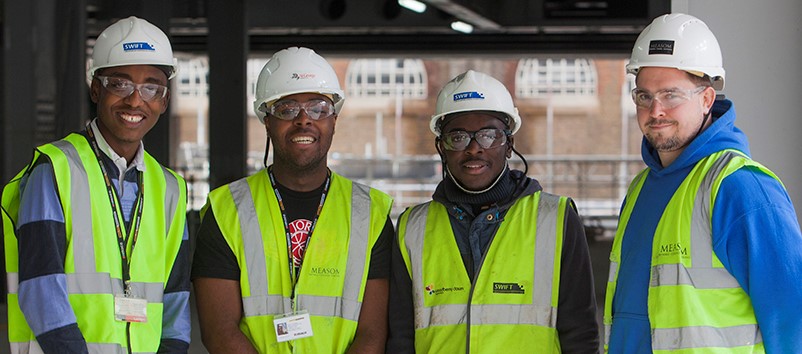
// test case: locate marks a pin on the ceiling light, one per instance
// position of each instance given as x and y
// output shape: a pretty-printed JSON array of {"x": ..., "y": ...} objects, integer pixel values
[
  {"x": 463, "y": 27},
  {"x": 413, "y": 5}
]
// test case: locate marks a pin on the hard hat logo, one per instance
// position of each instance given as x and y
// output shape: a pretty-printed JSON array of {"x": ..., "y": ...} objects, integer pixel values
[
  {"x": 303, "y": 76},
  {"x": 661, "y": 47},
  {"x": 468, "y": 95},
  {"x": 138, "y": 46}
]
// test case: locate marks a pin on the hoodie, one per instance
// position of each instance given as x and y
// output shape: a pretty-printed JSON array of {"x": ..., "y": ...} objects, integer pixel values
[{"x": 755, "y": 234}]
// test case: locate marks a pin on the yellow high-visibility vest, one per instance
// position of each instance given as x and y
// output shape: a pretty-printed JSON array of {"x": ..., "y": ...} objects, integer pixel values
[
  {"x": 332, "y": 279},
  {"x": 93, "y": 265},
  {"x": 512, "y": 306},
  {"x": 694, "y": 304}
]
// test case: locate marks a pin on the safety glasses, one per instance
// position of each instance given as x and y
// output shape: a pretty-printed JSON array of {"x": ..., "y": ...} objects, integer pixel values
[
  {"x": 123, "y": 88},
  {"x": 486, "y": 138},
  {"x": 314, "y": 109},
  {"x": 669, "y": 98}
]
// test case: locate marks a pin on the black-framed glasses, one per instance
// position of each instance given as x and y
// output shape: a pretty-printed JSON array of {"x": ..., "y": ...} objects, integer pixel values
[
  {"x": 289, "y": 109},
  {"x": 121, "y": 87},
  {"x": 486, "y": 138},
  {"x": 669, "y": 98}
]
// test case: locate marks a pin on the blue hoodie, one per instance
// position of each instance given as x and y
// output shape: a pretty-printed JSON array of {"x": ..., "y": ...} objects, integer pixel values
[{"x": 756, "y": 236}]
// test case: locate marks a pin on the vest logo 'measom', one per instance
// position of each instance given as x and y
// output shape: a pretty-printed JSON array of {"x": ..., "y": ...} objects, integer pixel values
[
  {"x": 133, "y": 46},
  {"x": 671, "y": 249},
  {"x": 508, "y": 288},
  {"x": 324, "y": 271},
  {"x": 468, "y": 96}
]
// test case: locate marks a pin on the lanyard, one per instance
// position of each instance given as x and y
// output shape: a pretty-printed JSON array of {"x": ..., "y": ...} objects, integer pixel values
[
  {"x": 122, "y": 239},
  {"x": 293, "y": 274}
]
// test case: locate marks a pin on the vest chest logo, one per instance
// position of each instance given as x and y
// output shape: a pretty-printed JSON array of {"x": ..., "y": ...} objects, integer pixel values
[
  {"x": 672, "y": 249},
  {"x": 324, "y": 272},
  {"x": 508, "y": 288},
  {"x": 432, "y": 290}
]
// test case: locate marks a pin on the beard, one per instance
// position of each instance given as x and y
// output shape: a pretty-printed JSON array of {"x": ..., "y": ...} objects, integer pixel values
[
  {"x": 665, "y": 144},
  {"x": 301, "y": 163}
]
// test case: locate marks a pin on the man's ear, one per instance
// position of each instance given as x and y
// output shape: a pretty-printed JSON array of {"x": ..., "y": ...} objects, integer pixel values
[
  {"x": 94, "y": 91},
  {"x": 708, "y": 96},
  {"x": 166, "y": 102},
  {"x": 510, "y": 145}
]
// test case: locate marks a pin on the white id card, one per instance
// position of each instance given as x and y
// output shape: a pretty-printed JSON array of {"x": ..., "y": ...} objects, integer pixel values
[
  {"x": 130, "y": 309},
  {"x": 292, "y": 326}
]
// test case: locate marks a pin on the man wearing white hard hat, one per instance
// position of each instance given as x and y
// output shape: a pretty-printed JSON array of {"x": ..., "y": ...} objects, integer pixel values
[
  {"x": 96, "y": 242},
  {"x": 493, "y": 263},
  {"x": 708, "y": 251},
  {"x": 295, "y": 258}
]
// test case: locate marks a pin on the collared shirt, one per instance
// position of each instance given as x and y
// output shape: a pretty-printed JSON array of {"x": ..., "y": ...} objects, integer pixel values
[{"x": 122, "y": 165}]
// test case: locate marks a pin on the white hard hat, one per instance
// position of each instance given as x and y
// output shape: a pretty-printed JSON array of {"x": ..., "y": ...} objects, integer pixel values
[
  {"x": 295, "y": 70},
  {"x": 474, "y": 91},
  {"x": 679, "y": 41},
  {"x": 132, "y": 41}
]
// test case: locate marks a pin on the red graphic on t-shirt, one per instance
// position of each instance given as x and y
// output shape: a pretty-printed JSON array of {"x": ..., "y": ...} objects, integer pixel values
[{"x": 299, "y": 232}]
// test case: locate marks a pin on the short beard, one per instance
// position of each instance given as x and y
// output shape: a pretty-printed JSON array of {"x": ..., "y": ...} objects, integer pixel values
[{"x": 669, "y": 144}]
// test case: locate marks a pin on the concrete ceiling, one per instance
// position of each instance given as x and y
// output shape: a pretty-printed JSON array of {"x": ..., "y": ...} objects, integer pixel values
[{"x": 382, "y": 26}]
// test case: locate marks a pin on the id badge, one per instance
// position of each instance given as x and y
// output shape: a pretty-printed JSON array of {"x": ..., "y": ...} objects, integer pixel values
[
  {"x": 292, "y": 326},
  {"x": 130, "y": 309}
]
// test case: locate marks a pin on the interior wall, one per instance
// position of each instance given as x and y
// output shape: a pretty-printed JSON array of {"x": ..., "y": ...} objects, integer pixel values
[{"x": 761, "y": 48}]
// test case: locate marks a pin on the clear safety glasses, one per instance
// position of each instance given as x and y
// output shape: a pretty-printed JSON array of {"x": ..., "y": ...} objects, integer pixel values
[
  {"x": 289, "y": 109},
  {"x": 669, "y": 98},
  {"x": 123, "y": 88},
  {"x": 486, "y": 138}
]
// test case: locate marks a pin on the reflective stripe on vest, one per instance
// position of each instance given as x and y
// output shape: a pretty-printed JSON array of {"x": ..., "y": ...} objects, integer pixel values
[
  {"x": 350, "y": 222},
  {"x": 737, "y": 328},
  {"x": 541, "y": 310},
  {"x": 33, "y": 347},
  {"x": 93, "y": 279}
]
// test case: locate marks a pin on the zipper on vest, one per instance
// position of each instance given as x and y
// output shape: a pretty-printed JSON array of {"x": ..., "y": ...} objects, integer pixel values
[{"x": 128, "y": 336}]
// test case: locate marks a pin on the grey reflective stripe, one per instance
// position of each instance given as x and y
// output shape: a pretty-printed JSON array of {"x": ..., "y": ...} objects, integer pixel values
[
  {"x": 106, "y": 348},
  {"x": 512, "y": 315},
  {"x": 251, "y": 237},
  {"x": 12, "y": 280},
  {"x": 613, "y": 274},
  {"x": 153, "y": 292},
  {"x": 102, "y": 283},
  {"x": 545, "y": 248},
  {"x": 425, "y": 316},
  {"x": 699, "y": 278},
  {"x": 330, "y": 306},
  {"x": 82, "y": 234},
  {"x": 705, "y": 337},
  {"x": 261, "y": 305},
  {"x": 33, "y": 347},
  {"x": 357, "y": 249},
  {"x": 701, "y": 236},
  {"x": 171, "y": 199}
]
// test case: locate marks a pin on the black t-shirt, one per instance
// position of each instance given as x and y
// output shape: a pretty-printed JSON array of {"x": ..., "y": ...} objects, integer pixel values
[{"x": 213, "y": 257}]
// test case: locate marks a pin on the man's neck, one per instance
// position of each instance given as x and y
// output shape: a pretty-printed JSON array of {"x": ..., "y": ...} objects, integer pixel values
[{"x": 300, "y": 181}]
